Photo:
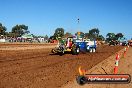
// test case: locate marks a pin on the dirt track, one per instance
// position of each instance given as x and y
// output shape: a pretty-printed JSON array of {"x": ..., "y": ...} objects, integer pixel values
[
  {"x": 125, "y": 67},
  {"x": 37, "y": 68}
]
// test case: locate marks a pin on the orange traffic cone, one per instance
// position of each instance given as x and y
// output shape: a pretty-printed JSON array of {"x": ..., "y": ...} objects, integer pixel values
[
  {"x": 116, "y": 64},
  {"x": 117, "y": 56},
  {"x": 115, "y": 69},
  {"x": 81, "y": 72}
]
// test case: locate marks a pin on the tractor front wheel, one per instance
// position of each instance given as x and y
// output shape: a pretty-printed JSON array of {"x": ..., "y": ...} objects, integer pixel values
[{"x": 53, "y": 51}]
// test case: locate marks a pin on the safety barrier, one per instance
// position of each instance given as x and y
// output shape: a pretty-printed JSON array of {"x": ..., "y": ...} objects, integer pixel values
[{"x": 120, "y": 55}]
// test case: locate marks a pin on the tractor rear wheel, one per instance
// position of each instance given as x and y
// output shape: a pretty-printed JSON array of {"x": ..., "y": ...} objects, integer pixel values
[{"x": 75, "y": 50}]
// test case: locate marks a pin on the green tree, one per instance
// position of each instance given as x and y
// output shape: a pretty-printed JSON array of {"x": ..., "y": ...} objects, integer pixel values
[
  {"x": 110, "y": 35},
  {"x": 101, "y": 38},
  {"x": 20, "y": 29},
  {"x": 46, "y": 37},
  {"x": 67, "y": 34},
  {"x": 59, "y": 32},
  {"x": 94, "y": 33},
  {"x": 119, "y": 35},
  {"x": 2, "y": 29},
  {"x": 52, "y": 37},
  {"x": 10, "y": 34},
  {"x": 86, "y": 35}
]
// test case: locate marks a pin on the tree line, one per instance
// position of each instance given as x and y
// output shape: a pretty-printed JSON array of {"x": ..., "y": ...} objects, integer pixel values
[
  {"x": 91, "y": 34},
  {"x": 16, "y": 31},
  {"x": 19, "y": 30}
]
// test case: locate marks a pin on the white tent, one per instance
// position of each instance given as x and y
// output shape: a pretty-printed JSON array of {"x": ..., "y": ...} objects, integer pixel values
[{"x": 27, "y": 36}]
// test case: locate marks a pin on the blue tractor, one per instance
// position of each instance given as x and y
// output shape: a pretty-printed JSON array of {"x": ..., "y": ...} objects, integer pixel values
[
  {"x": 87, "y": 45},
  {"x": 75, "y": 46}
]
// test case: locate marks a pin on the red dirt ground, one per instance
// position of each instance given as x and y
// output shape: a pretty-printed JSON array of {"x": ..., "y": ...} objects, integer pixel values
[{"x": 38, "y": 68}]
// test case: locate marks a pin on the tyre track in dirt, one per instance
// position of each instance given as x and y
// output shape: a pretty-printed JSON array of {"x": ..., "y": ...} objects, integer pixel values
[{"x": 51, "y": 71}]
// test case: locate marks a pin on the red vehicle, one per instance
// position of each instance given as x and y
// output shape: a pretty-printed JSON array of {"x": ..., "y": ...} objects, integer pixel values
[{"x": 130, "y": 43}]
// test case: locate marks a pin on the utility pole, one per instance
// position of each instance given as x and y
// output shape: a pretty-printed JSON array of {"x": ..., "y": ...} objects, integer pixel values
[{"x": 78, "y": 32}]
